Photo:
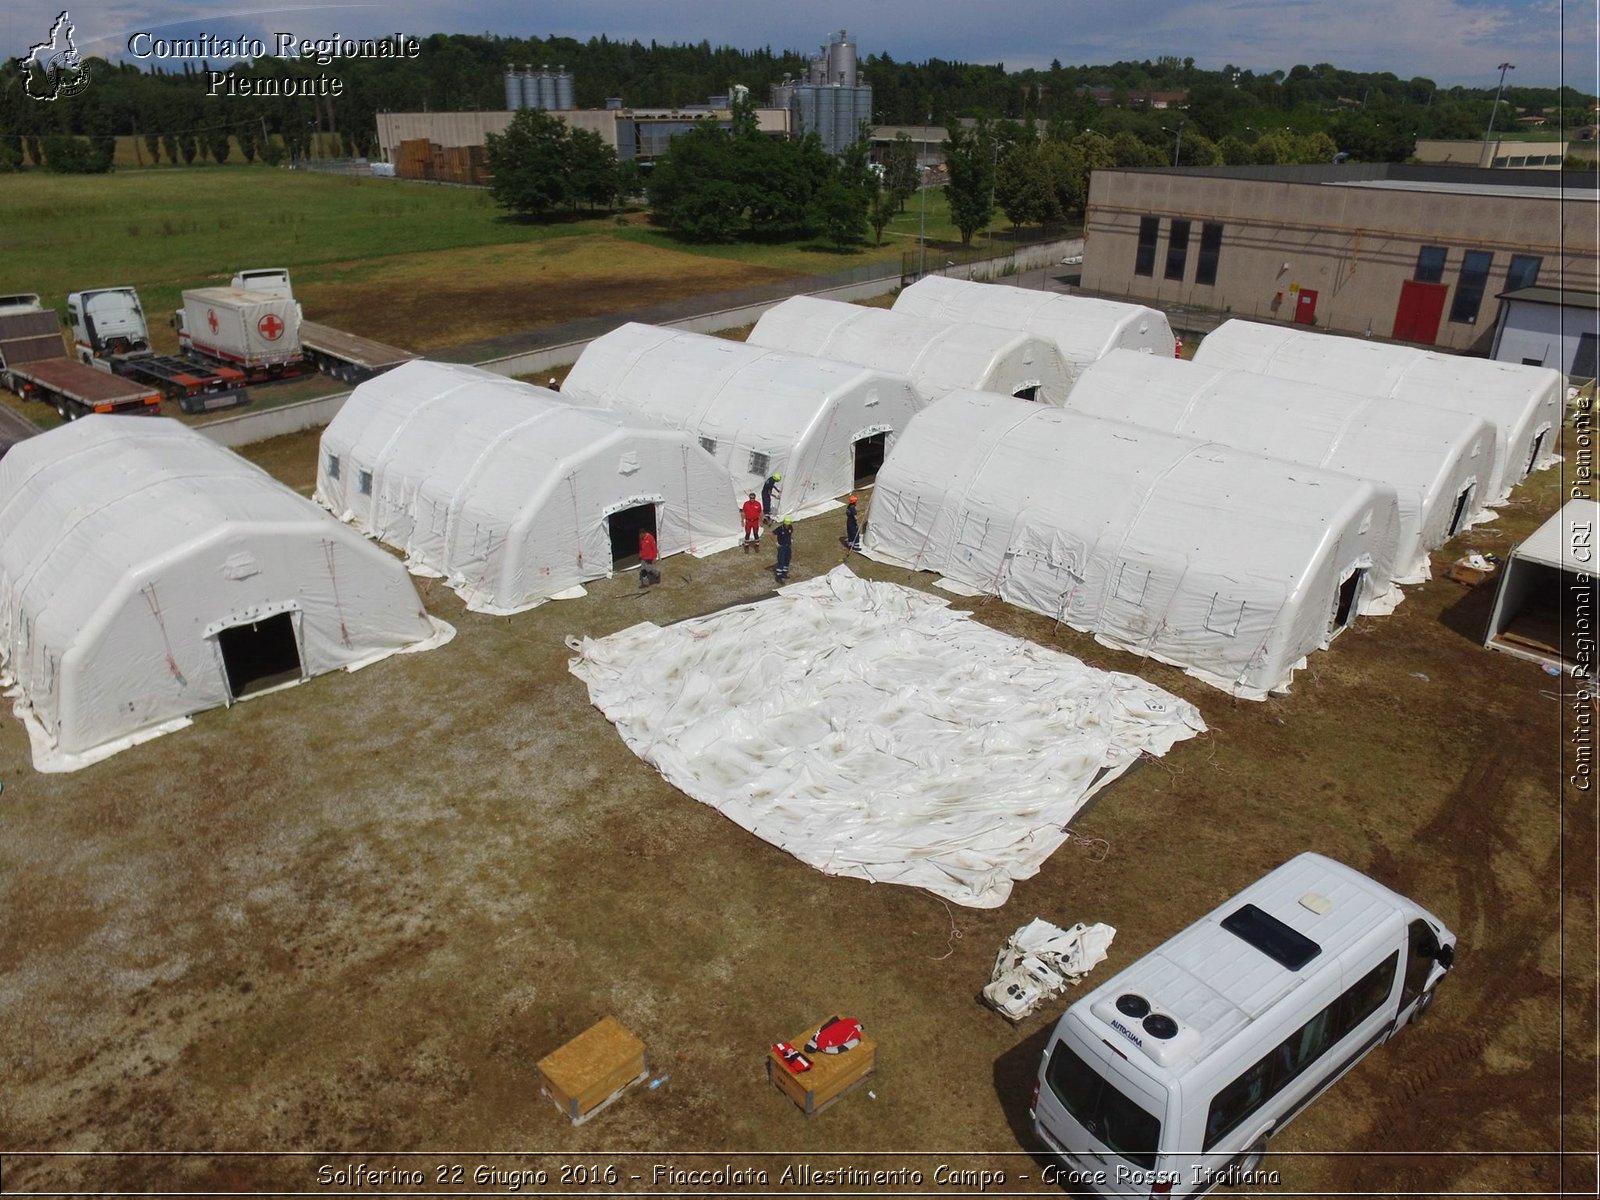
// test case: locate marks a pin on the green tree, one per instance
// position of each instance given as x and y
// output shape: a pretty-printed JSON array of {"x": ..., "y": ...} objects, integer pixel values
[
  {"x": 593, "y": 168},
  {"x": 532, "y": 164},
  {"x": 220, "y": 145},
  {"x": 839, "y": 211},
  {"x": 880, "y": 212},
  {"x": 189, "y": 146},
  {"x": 692, "y": 188},
  {"x": 970, "y": 192},
  {"x": 1022, "y": 186},
  {"x": 900, "y": 175},
  {"x": 75, "y": 156}
]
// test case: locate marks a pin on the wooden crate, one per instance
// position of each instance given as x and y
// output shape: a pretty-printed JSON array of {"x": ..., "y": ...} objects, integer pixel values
[
  {"x": 593, "y": 1069},
  {"x": 830, "y": 1077},
  {"x": 1461, "y": 572}
]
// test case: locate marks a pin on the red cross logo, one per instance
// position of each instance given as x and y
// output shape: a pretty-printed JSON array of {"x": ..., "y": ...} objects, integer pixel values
[
  {"x": 271, "y": 327},
  {"x": 211, "y": 319}
]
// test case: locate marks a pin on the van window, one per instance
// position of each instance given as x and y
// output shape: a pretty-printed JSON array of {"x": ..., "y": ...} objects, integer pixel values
[
  {"x": 1422, "y": 948},
  {"x": 1274, "y": 1071},
  {"x": 1283, "y": 945},
  {"x": 1095, "y": 1103}
]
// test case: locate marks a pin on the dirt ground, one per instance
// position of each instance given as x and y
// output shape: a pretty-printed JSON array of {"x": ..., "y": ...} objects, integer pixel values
[{"x": 343, "y": 921}]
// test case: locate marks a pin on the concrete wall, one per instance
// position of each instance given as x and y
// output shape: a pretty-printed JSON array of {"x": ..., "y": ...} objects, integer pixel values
[
  {"x": 1352, "y": 246},
  {"x": 1502, "y": 152},
  {"x": 447, "y": 129}
]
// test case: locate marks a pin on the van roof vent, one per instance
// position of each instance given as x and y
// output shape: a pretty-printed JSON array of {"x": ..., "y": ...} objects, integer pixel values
[
  {"x": 1317, "y": 904},
  {"x": 1159, "y": 1025},
  {"x": 1131, "y": 1005}
]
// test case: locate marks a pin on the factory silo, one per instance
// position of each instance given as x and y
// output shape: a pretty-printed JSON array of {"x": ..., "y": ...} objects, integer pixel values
[
  {"x": 513, "y": 82},
  {"x": 530, "y": 88},
  {"x": 842, "y": 60},
  {"x": 564, "y": 90},
  {"x": 547, "y": 88}
]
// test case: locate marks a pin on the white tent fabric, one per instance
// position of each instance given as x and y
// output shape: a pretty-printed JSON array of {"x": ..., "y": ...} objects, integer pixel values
[
  {"x": 506, "y": 490},
  {"x": 756, "y": 411},
  {"x": 1231, "y": 566},
  {"x": 872, "y": 732},
  {"x": 1083, "y": 329},
  {"x": 1435, "y": 459},
  {"x": 1522, "y": 403},
  {"x": 130, "y": 546},
  {"x": 937, "y": 356}
]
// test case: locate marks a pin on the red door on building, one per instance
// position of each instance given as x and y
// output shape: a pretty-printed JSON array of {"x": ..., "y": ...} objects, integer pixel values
[
  {"x": 1305, "y": 308},
  {"x": 1417, "y": 317}
]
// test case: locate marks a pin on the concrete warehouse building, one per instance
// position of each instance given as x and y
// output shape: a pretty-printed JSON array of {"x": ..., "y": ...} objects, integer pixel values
[{"x": 1414, "y": 253}]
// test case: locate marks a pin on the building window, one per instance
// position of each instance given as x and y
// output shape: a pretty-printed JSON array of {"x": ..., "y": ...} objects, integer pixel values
[
  {"x": 1469, "y": 287},
  {"x": 1178, "y": 249},
  {"x": 1144, "y": 263},
  {"x": 1205, "y": 267},
  {"x": 1523, "y": 272},
  {"x": 1430, "y": 265}
]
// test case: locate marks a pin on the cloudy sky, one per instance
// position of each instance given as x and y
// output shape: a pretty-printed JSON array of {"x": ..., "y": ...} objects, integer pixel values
[{"x": 1450, "y": 41}]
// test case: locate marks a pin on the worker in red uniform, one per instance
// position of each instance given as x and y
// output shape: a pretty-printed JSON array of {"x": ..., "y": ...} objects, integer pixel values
[
  {"x": 751, "y": 511},
  {"x": 648, "y": 553}
]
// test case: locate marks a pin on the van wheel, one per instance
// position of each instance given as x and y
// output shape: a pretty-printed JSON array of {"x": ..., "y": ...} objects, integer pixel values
[{"x": 1423, "y": 1005}]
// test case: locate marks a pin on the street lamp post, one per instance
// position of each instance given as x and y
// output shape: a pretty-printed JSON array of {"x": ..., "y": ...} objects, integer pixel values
[
  {"x": 1494, "y": 112},
  {"x": 1178, "y": 145},
  {"x": 922, "y": 189}
]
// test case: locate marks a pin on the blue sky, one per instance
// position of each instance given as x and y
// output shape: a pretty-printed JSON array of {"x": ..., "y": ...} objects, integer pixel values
[{"x": 1450, "y": 41}]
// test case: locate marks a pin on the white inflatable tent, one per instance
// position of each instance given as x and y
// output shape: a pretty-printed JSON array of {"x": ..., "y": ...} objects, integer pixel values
[
  {"x": 1545, "y": 603},
  {"x": 1522, "y": 403},
  {"x": 937, "y": 356},
  {"x": 147, "y": 574},
  {"x": 1083, "y": 328},
  {"x": 506, "y": 490},
  {"x": 1231, "y": 566},
  {"x": 1436, "y": 460},
  {"x": 824, "y": 426}
]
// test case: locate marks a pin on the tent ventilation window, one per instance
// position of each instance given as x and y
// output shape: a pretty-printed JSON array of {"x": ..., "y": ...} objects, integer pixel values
[
  {"x": 709, "y": 445},
  {"x": 333, "y": 466},
  {"x": 1533, "y": 455},
  {"x": 364, "y": 482},
  {"x": 1224, "y": 617},
  {"x": 973, "y": 532},
  {"x": 760, "y": 463},
  {"x": 1031, "y": 392},
  {"x": 1463, "y": 501},
  {"x": 1131, "y": 584}
]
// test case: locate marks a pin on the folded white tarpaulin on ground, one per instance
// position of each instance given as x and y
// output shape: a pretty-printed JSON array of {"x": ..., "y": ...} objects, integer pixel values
[
  {"x": 871, "y": 731},
  {"x": 1042, "y": 960}
]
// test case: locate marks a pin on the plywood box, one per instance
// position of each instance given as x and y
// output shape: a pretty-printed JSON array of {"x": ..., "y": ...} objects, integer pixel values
[
  {"x": 830, "y": 1077},
  {"x": 593, "y": 1069}
]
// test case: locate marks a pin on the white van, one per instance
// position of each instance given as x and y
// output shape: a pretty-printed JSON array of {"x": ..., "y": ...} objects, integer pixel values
[{"x": 1172, "y": 1075}]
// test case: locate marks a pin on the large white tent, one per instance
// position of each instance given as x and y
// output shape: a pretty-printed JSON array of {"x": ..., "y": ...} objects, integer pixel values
[
  {"x": 1229, "y": 565},
  {"x": 1083, "y": 328},
  {"x": 1545, "y": 605},
  {"x": 1522, "y": 403},
  {"x": 822, "y": 425},
  {"x": 508, "y": 491},
  {"x": 147, "y": 574},
  {"x": 937, "y": 356},
  {"x": 1435, "y": 459}
]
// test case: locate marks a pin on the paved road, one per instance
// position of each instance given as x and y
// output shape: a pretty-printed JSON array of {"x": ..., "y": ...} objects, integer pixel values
[{"x": 13, "y": 428}]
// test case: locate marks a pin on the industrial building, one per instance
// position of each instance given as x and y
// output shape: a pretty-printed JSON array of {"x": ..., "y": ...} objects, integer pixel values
[
  {"x": 1419, "y": 254},
  {"x": 831, "y": 101}
]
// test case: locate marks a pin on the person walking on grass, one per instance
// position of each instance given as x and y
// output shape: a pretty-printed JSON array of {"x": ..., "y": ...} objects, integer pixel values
[
  {"x": 785, "y": 535},
  {"x": 770, "y": 491},
  {"x": 752, "y": 513},
  {"x": 648, "y": 554},
  {"x": 852, "y": 526}
]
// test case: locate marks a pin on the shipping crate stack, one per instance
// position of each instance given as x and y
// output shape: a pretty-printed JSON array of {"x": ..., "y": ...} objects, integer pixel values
[{"x": 414, "y": 159}]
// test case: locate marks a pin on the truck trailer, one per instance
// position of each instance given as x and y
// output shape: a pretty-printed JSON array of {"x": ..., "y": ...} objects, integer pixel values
[
  {"x": 332, "y": 351},
  {"x": 251, "y": 331},
  {"x": 35, "y": 365},
  {"x": 109, "y": 332}
]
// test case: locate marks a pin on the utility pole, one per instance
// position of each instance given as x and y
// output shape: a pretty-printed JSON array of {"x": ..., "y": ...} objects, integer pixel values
[
  {"x": 922, "y": 182},
  {"x": 1494, "y": 112}
]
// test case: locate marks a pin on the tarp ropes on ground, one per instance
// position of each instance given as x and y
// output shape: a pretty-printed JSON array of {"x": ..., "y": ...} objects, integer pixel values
[{"x": 873, "y": 732}]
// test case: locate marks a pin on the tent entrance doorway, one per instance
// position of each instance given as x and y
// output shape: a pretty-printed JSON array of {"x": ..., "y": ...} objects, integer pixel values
[
  {"x": 1031, "y": 392},
  {"x": 260, "y": 654},
  {"x": 1463, "y": 506},
  {"x": 1344, "y": 605},
  {"x": 1535, "y": 452},
  {"x": 869, "y": 453},
  {"x": 626, "y": 525}
]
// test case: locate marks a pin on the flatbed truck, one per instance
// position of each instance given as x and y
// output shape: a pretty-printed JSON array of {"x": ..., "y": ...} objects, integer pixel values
[
  {"x": 109, "y": 332},
  {"x": 35, "y": 365},
  {"x": 345, "y": 356}
]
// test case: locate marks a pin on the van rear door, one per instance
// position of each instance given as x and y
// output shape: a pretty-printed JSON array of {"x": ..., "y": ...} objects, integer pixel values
[{"x": 1101, "y": 1114}]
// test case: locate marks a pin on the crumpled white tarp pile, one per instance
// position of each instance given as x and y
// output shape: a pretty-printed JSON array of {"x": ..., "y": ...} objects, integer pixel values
[
  {"x": 1042, "y": 960},
  {"x": 871, "y": 731}
]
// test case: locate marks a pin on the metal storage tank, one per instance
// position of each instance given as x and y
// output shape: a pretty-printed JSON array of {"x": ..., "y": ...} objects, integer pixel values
[
  {"x": 530, "y": 88},
  {"x": 547, "y": 88},
  {"x": 513, "y": 83},
  {"x": 842, "y": 61},
  {"x": 564, "y": 91}
]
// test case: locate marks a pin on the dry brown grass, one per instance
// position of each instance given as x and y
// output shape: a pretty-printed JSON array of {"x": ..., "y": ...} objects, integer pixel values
[{"x": 349, "y": 917}]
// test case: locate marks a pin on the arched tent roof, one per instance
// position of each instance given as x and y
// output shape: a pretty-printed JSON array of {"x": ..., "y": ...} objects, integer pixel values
[
  {"x": 1231, "y": 566},
  {"x": 507, "y": 490},
  {"x": 131, "y": 550},
  {"x": 1436, "y": 460},
  {"x": 937, "y": 356},
  {"x": 1084, "y": 329},
  {"x": 757, "y": 411},
  {"x": 1522, "y": 403}
]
